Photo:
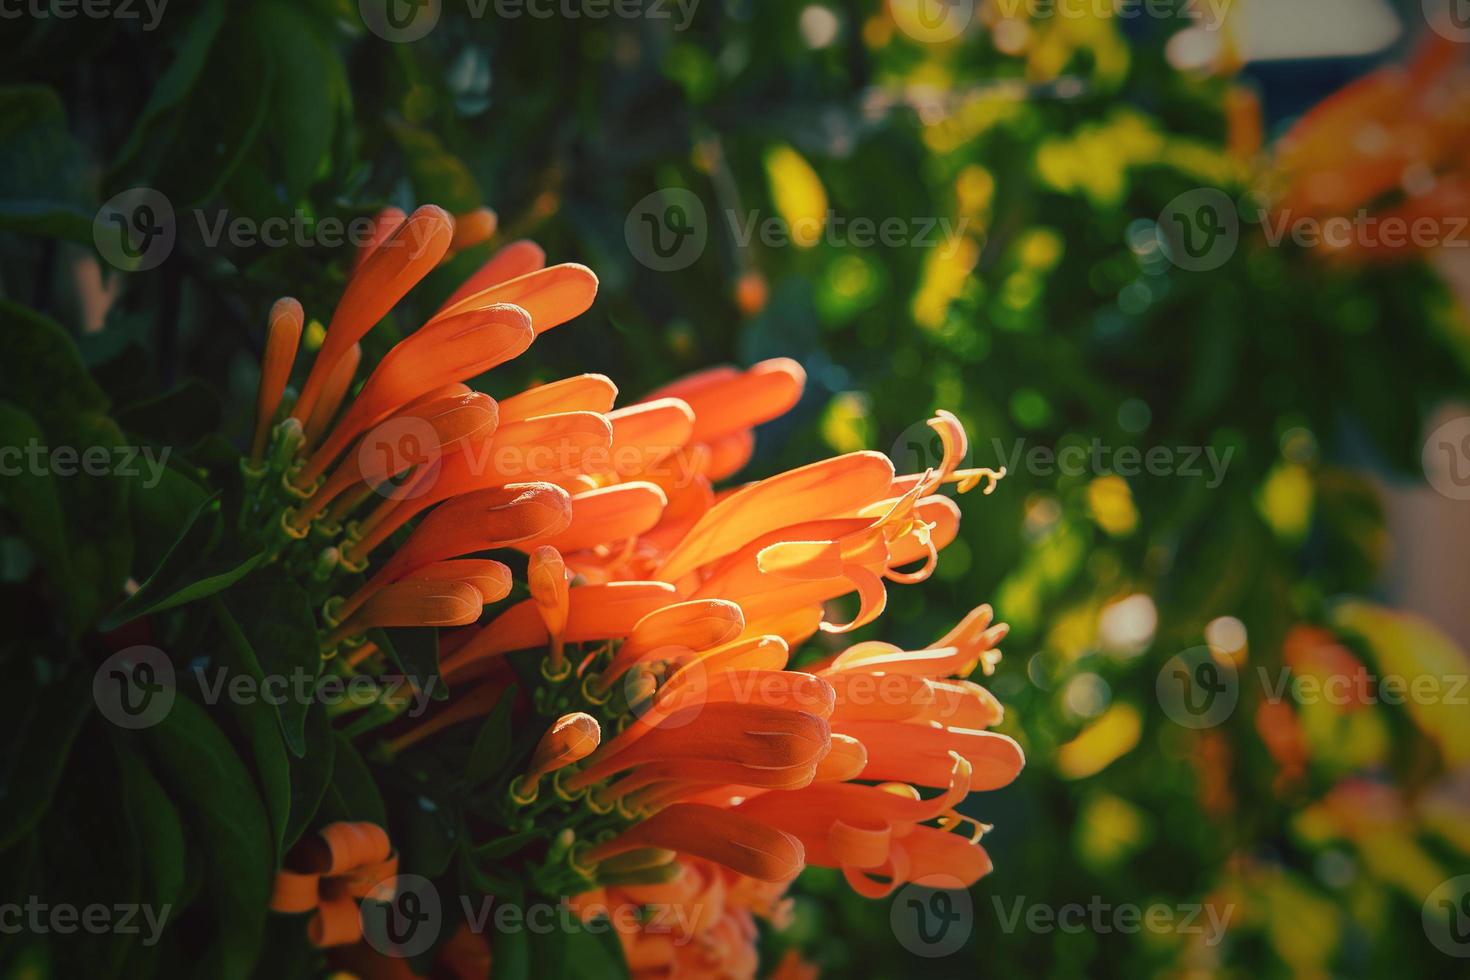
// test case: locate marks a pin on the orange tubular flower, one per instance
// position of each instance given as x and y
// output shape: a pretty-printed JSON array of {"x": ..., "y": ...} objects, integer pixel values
[
  {"x": 451, "y": 422},
  {"x": 284, "y": 336},
  {"x": 511, "y": 262},
  {"x": 441, "y": 353},
  {"x": 726, "y": 401},
  {"x": 547, "y": 575},
  {"x": 327, "y": 871},
  {"x": 384, "y": 277},
  {"x": 421, "y": 602},
  {"x": 722, "y": 836},
  {"x": 492, "y": 579},
  {"x": 571, "y": 739},
  {"x": 480, "y": 521},
  {"x": 665, "y": 613},
  {"x": 1392, "y": 142},
  {"x": 334, "y": 391},
  {"x": 473, "y": 228}
]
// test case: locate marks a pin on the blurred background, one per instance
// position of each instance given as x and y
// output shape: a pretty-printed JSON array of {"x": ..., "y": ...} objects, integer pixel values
[{"x": 1144, "y": 250}]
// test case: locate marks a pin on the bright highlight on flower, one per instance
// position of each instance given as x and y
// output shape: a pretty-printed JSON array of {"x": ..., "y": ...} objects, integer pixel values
[{"x": 647, "y": 626}]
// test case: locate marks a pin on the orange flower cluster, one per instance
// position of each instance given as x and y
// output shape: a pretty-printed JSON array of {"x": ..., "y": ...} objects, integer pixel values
[
  {"x": 1388, "y": 153},
  {"x": 668, "y": 611},
  {"x": 326, "y": 873}
]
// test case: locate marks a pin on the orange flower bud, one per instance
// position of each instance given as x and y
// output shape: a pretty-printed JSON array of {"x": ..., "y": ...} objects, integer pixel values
[
  {"x": 384, "y": 277},
  {"x": 571, "y": 739}
]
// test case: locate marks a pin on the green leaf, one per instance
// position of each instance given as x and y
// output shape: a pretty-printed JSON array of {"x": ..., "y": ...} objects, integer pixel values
[
  {"x": 38, "y": 757},
  {"x": 353, "y": 793},
  {"x": 492, "y": 742},
  {"x": 223, "y": 115},
  {"x": 415, "y": 650},
  {"x": 309, "y": 82},
  {"x": 177, "y": 418},
  {"x": 438, "y": 175},
  {"x": 42, "y": 373},
  {"x": 43, "y": 190},
  {"x": 510, "y": 843},
  {"x": 260, "y": 721},
  {"x": 41, "y": 370},
  {"x": 213, "y": 787},
  {"x": 272, "y": 616},
  {"x": 511, "y": 959},
  {"x": 186, "y": 575},
  {"x": 589, "y": 955},
  {"x": 173, "y": 87},
  {"x": 32, "y": 496},
  {"x": 311, "y": 774},
  {"x": 160, "y": 512},
  {"x": 156, "y": 823},
  {"x": 429, "y": 840}
]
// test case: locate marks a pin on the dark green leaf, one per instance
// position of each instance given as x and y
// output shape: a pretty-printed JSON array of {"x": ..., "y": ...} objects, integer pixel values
[
  {"x": 274, "y": 619},
  {"x": 492, "y": 742},
  {"x": 429, "y": 840},
  {"x": 156, "y": 824},
  {"x": 42, "y": 190},
  {"x": 174, "y": 85},
  {"x": 31, "y": 495},
  {"x": 258, "y": 719},
  {"x": 353, "y": 793},
  {"x": 40, "y": 369},
  {"x": 160, "y": 512},
  {"x": 311, "y": 774},
  {"x": 41, "y": 372},
  {"x": 214, "y": 789},
  {"x": 309, "y": 83},
  {"x": 38, "y": 757},
  {"x": 223, "y": 115},
  {"x": 176, "y": 419},
  {"x": 498, "y": 847},
  {"x": 186, "y": 574},
  {"x": 416, "y": 652}
]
